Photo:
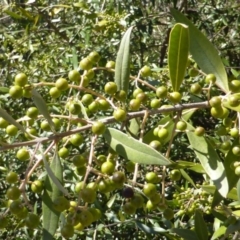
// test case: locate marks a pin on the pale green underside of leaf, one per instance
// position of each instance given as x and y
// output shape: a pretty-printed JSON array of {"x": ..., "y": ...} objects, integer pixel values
[
  {"x": 203, "y": 52},
  {"x": 11, "y": 120},
  {"x": 219, "y": 232},
  {"x": 210, "y": 161},
  {"x": 42, "y": 107},
  {"x": 122, "y": 70},
  {"x": 178, "y": 54},
  {"x": 50, "y": 216},
  {"x": 132, "y": 149}
]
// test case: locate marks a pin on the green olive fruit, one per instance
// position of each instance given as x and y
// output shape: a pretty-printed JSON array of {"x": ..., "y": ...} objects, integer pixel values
[
  {"x": 210, "y": 78},
  {"x": 20, "y": 79},
  {"x": 3, "y": 222},
  {"x": 233, "y": 101},
  {"x": 130, "y": 166},
  {"x": 163, "y": 133},
  {"x": 98, "y": 128},
  {"x": 79, "y": 186},
  {"x": 54, "y": 92},
  {"x": 225, "y": 145},
  {"x": 105, "y": 186},
  {"x": 61, "y": 84},
  {"x": 168, "y": 213},
  {"x": 3, "y": 123},
  {"x": 74, "y": 76},
  {"x": 94, "y": 57},
  {"x": 85, "y": 64},
  {"x": 22, "y": 214},
  {"x": 161, "y": 92},
  {"x": 175, "y": 97},
  {"x": 151, "y": 177},
  {"x": 134, "y": 104},
  {"x": 73, "y": 218},
  {"x": 149, "y": 189},
  {"x": 227, "y": 122},
  {"x": 110, "y": 88},
  {"x": 150, "y": 206},
  {"x": 57, "y": 123},
  {"x": 13, "y": 193},
  {"x": 79, "y": 160},
  {"x": 32, "y": 112},
  {"x": 175, "y": 175},
  {"x": 16, "y": 207},
  {"x": 23, "y": 154},
  {"x": 79, "y": 227},
  {"x": 101, "y": 159},
  {"x": 32, "y": 220},
  {"x": 85, "y": 81},
  {"x": 110, "y": 64},
  {"x": 61, "y": 204},
  {"x": 89, "y": 74},
  {"x": 94, "y": 106},
  {"x": 181, "y": 125},
  {"x": 193, "y": 72},
  {"x": 145, "y": 71},
  {"x": 107, "y": 167},
  {"x": 88, "y": 195},
  {"x": 217, "y": 112},
  {"x": 37, "y": 186},
  {"x": 156, "y": 199},
  {"x": 142, "y": 97},
  {"x": 221, "y": 131},
  {"x": 137, "y": 200},
  {"x": 234, "y": 132},
  {"x": 121, "y": 95},
  {"x": 87, "y": 99},
  {"x": 129, "y": 208},
  {"x": 76, "y": 139},
  {"x": 27, "y": 91},
  {"x": 81, "y": 171},
  {"x": 237, "y": 171},
  {"x": 86, "y": 218},
  {"x": 67, "y": 231},
  {"x": 45, "y": 126},
  {"x": 155, "y": 103},
  {"x": 118, "y": 178},
  {"x": 199, "y": 131},
  {"x": 155, "y": 131},
  {"x": 120, "y": 114},
  {"x": 215, "y": 102},
  {"x": 155, "y": 144},
  {"x": 12, "y": 177},
  {"x": 63, "y": 152},
  {"x": 96, "y": 213},
  {"x": 16, "y": 92},
  {"x": 136, "y": 92},
  {"x": 74, "y": 108},
  {"x": 234, "y": 86},
  {"x": 196, "y": 88},
  {"x": 103, "y": 104},
  {"x": 236, "y": 150}
]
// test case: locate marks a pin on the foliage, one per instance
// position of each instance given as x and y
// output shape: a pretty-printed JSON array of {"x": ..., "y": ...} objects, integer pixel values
[{"x": 119, "y": 120}]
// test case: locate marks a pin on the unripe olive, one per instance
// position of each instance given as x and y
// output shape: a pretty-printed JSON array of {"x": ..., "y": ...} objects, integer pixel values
[
  {"x": 110, "y": 88},
  {"x": 161, "y": 92},
  {"x": 146, "y": 71},
  {"x": 98, "y": 128},
  {"x": 210, "y": 78},
  {"x": 196, "y": 88},
  {"x": 120, "y": 114},
  {"x": 61, "y": 84}
]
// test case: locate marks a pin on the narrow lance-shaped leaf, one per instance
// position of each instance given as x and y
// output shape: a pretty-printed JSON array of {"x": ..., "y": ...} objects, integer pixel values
[
  {"x": 42, "y": 107},
  {"x": 132, "y": 149},
  {"x": 200, "y": 226},
  {"x": 122, "y": 70},
  {"x": 51, "y": 192},
  {"x": 186, "y": 234},
  {"x": 10, "y": 119},
  {"x": 210, "y": 161},
  {"x": 178, "y": 54},
  {"x": 203, "y": 52}
]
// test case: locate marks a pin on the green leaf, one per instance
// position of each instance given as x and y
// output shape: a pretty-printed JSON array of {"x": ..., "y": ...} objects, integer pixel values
[
  {"x": 132, "y": 149},
  {"x": 11, "y": 120},
  {"x": 187, "y": 177},
  {"x": 42, "y": 107},
  {"x": 186, "y": 234},
  {"x": 51, "y": 192},
  {"x": 233, "y": 228},
  {"x": 226, "y": 103},
  {"x": 178, "y": 54},
  {"x": 74, "y": 58},
  {"x": 122, "y": 70},
  {"x": 200, "y": 226},
  {"x": 134, "y": 126},
  {"x": 238, "y": 189},
  {"x": 148, "y": 137},
  {"x": 210, "y": 160},
  {"x": 203, "y": 52},
  {"x": 219, "y": 232},
  {"x": 150, "y": 230}
]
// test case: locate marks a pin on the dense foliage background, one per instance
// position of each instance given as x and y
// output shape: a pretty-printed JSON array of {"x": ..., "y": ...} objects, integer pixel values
[{"x": 46, "y": 40}]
